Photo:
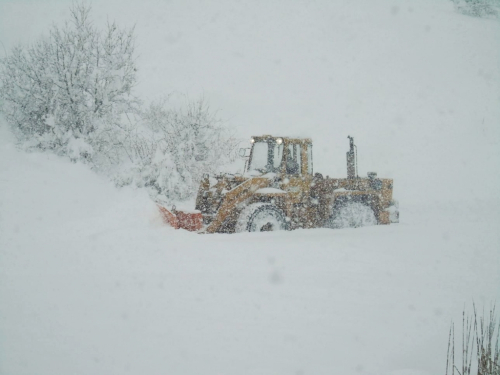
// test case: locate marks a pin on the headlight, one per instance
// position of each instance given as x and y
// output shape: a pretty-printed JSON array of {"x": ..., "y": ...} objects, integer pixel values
[
  {"x": 279, "y": 141},
  {"x": 252, "y": 140}
]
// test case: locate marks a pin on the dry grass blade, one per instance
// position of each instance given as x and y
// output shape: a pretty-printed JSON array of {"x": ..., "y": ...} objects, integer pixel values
[{"x": 485, "y": 332}]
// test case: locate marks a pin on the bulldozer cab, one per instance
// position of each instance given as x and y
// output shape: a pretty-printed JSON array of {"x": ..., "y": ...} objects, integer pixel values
[
  {"x": 289, "y": 158},
  {"x": 281, "y": 155}
]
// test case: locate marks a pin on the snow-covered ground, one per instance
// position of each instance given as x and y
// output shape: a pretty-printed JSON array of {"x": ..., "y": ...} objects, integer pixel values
[{"x": 91, "y": 281}]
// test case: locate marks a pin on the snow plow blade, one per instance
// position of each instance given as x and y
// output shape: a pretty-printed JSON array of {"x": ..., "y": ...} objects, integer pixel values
[{"x": 191, "y": 221}]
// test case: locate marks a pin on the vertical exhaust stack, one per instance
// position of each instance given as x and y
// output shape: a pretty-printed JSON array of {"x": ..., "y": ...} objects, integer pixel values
[{"x": 351, "y": 159}]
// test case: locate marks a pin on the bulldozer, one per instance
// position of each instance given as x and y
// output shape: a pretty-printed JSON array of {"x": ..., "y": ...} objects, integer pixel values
[{"x": 278, "y": 190}]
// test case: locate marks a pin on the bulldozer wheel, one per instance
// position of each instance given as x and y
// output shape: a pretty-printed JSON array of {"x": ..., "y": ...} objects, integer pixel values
[
  {"x": 261, "y": 217},
  {"x": 352, "y": 214}
]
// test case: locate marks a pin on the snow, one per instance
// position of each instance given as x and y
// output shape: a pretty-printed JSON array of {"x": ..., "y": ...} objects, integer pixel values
[
  {"x": 188, "y": 209},
  {"x": 92, "y": 282},
  {"x": 270, "y": 191},
  {"x": 252, "y": 173}
]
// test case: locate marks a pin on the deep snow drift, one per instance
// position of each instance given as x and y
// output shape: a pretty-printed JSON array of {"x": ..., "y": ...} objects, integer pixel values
[{"x": 91, "y": 282}]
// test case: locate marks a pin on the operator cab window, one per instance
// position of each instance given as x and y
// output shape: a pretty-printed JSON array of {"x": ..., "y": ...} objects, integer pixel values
[
  {"x": 266, "y": 157},
  {"x": 310, "y": 158},
  {"x": 293, "y": 159}
]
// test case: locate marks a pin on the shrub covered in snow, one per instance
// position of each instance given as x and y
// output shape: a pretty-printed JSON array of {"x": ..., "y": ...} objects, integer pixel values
[
  {"x": 176, "y": 146},
  {"x": 71, "y": 93}
]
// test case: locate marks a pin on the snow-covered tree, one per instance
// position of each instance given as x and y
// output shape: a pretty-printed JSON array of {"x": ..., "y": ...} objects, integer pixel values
[
  {"x": 176, "y": 146},
  {"x": 71, "y": 91}
]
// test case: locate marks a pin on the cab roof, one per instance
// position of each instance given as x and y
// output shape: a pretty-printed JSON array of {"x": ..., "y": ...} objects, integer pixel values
[{"x": 285, "y": 139}]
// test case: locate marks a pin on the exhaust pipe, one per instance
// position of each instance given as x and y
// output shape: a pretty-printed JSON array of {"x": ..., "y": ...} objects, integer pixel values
[{"x": 351, "y": 159}]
